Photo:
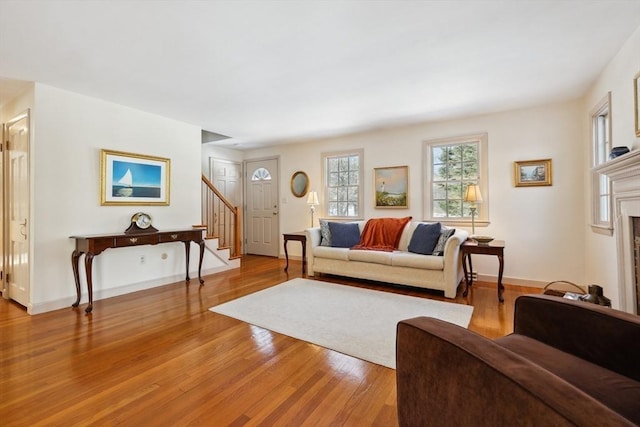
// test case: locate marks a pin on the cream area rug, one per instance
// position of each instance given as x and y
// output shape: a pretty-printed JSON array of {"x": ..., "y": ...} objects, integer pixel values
[{"x": 354, "y": 321}]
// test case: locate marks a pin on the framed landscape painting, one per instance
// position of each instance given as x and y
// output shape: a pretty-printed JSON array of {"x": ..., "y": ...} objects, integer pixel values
[
  {"x": 391, "y": 187},
  {"x": 133, "y": 179},
  {"x": 532, "y": 173}
]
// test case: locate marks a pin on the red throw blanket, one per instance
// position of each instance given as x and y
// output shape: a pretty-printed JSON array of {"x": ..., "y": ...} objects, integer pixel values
[{"x": 382, "y": 234}]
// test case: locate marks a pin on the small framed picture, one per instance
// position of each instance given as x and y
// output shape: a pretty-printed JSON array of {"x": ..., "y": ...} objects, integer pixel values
[
  {"x": 636, "y": 94},
  {"x": 532, "y": 173},
  {"x": 391, "y": 187},
  {"x": 133, "y": 179}
]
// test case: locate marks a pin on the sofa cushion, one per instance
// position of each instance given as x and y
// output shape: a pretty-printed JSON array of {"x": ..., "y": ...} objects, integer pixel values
[
  {"x": 424, "y": 238},
  {"x": 442, "y": 241},
  {"x": 408, "y": 259},
  {"x": 325, "y": 233},
  {"x": 616, "y": 391},
  {"x": 376, "y": 257},
  {"x": 341, "y": 254},
  {"x": 344, "y": 234}
]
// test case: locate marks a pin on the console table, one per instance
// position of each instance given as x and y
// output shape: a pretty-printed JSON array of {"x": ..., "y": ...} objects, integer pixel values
[
  {"x": 470, "y": 246},
  {"x": 95, "y": 244}
]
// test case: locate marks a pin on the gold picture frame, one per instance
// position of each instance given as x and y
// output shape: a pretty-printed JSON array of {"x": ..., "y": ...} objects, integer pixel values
[
  {"x": 636, "y": 93},
  {"x": 133, "y": 179},
  {"x": 532, "y": 173},
  {"x": 299, "y": 184},
  {"x": 391, "y": 187}
]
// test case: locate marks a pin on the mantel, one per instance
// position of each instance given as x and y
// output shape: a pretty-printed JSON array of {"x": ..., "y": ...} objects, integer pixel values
[
  {"x": 624, "y": 173},
  {"x": 625, "y": 166}
]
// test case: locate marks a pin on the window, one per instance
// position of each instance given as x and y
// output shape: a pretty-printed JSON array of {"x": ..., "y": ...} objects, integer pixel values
[
  {"x": 261, "y": 174},
  {"x": 343, "y": 183},
  {"x": 451, "y": 165},
  {"x": 600, "y": 185}
]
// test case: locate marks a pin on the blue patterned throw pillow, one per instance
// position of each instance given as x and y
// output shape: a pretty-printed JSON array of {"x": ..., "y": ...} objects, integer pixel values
[
  {"x": 444, "y": 236},
  {"x": 325, "y": 232}
]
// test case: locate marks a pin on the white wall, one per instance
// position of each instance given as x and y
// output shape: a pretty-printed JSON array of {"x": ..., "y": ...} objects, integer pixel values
[
  {"x": 617, "y": 78},
  {"x": 69, "y": 132},
  {"x": 542, "y": 226}
]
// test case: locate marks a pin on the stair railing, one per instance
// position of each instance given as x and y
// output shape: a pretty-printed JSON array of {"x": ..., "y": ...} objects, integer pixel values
[{"x": 221, "y": 218}]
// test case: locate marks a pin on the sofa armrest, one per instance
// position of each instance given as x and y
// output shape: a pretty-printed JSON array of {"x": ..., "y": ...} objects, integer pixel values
[
  {"x": 601, "y": 335},
  {"x": 313, "y": 239},
  {"x": 453, "y": 262},
  {"x": 449, "y": 376},
  {"x": 452, "y": 247},
  {"x": 313, "y": 236}
]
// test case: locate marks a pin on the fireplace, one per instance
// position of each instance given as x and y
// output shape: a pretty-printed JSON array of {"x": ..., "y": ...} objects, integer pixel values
[
  {"x": 636, "y": 257},
  {"x": 624, "y": 173}
]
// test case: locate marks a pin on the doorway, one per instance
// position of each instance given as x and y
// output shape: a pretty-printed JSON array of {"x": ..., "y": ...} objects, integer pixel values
[
  {"x": 262, "y": 214},
  {"x": 15, "y": 210},
  {"x": 226, "y": 176}
]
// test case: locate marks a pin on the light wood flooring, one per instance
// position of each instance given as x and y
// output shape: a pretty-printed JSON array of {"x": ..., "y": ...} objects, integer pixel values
[{"x": 159, "y": 358}]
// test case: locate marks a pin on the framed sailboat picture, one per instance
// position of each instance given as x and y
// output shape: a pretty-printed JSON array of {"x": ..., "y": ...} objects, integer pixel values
[{"x": 133, "y": 179}]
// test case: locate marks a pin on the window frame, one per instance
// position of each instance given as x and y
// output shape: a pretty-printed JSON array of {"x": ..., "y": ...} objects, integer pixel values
[
  {"x": 325, "y": 182},
  {"x": 482, "y": 214},
  {"x": 599, "y": 157}
]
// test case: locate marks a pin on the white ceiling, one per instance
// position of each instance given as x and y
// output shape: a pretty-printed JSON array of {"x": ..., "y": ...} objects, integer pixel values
[{"x": 267, "y": 72}]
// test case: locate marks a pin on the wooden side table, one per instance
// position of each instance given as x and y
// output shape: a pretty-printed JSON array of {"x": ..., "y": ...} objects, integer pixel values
[
  {"x": 301, "y": 237},
  {"x": 470, "y": 246}
]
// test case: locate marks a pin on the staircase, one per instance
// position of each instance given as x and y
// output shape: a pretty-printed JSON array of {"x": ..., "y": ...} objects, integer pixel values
[{"x": 223, "y": 227}]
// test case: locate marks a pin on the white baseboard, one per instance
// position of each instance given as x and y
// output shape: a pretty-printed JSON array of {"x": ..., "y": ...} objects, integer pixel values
[
  {"x": 512, "y": 281},
  {"x": 61, "y": 303}
]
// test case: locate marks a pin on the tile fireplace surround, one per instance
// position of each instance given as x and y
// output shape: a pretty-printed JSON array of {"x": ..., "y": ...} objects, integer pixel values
[{"x": 624, "y": 173}]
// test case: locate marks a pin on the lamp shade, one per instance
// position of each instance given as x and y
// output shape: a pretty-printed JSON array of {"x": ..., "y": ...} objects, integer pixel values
[
  {"x": 473, "y": 194},
  {"x": 312, "y": 199}
]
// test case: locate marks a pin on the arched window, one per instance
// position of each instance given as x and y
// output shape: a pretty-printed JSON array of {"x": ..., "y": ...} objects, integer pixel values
[{"x": 261, "y": 174}]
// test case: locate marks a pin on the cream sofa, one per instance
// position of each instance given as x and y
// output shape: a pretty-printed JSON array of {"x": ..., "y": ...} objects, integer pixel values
[{"x": 400, "y": 266}]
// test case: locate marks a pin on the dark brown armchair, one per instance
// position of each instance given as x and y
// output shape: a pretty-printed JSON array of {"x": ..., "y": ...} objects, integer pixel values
[{"x": 566, "y": 363}]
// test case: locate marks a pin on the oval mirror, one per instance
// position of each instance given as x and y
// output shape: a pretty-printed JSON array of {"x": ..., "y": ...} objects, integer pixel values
[{"x": 299, "y": 184}]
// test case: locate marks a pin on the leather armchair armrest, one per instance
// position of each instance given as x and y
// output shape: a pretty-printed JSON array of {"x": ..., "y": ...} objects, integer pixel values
[
  {"x": 604, "y": 336},
  {"x": 449, "y": 376}
]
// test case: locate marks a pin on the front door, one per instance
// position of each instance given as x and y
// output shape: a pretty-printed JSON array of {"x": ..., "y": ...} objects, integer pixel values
[
  {"x": 16, "y": 214},
  {"x": 262, "y": 222}
]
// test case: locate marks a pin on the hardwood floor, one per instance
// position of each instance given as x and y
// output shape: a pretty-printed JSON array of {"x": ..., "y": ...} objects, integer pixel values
[{"x": 159, "y": 357}]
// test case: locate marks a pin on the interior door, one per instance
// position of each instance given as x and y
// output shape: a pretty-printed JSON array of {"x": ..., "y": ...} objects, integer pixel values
[
  {"x": 16, "y": 167},
  {"x": 227, "y": 178},
  {"x": 262, "y": 222}
]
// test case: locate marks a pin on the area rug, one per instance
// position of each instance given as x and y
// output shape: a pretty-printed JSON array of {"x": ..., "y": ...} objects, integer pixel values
[{"x": 354, "y": 321}]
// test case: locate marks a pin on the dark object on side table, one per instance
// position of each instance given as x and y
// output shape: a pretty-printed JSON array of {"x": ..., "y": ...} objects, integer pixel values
[
  {"x": 544, "y": 373},
  {"x": 595, "y": 296},
  {"x": 617, "y": 152}
]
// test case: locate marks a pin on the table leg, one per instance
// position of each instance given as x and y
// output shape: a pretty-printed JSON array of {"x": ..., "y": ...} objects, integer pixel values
[
  {"x": 75, "y": 258},
  {"x": 88, "y": 265},
  {"x": 468, "y": 275},
  {"x": 286, "y": 254},
  {"x": 201, "y": 244},
  {"x": 304, "y": 256},
  {"x": 500, "y": 286},
  {"x": 186, "y": 256}
]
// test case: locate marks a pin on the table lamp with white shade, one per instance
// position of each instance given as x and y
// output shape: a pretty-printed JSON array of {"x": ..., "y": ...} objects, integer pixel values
[
  {"x": 312, "y": 200},
  {"x": 473, "y": 196}
]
